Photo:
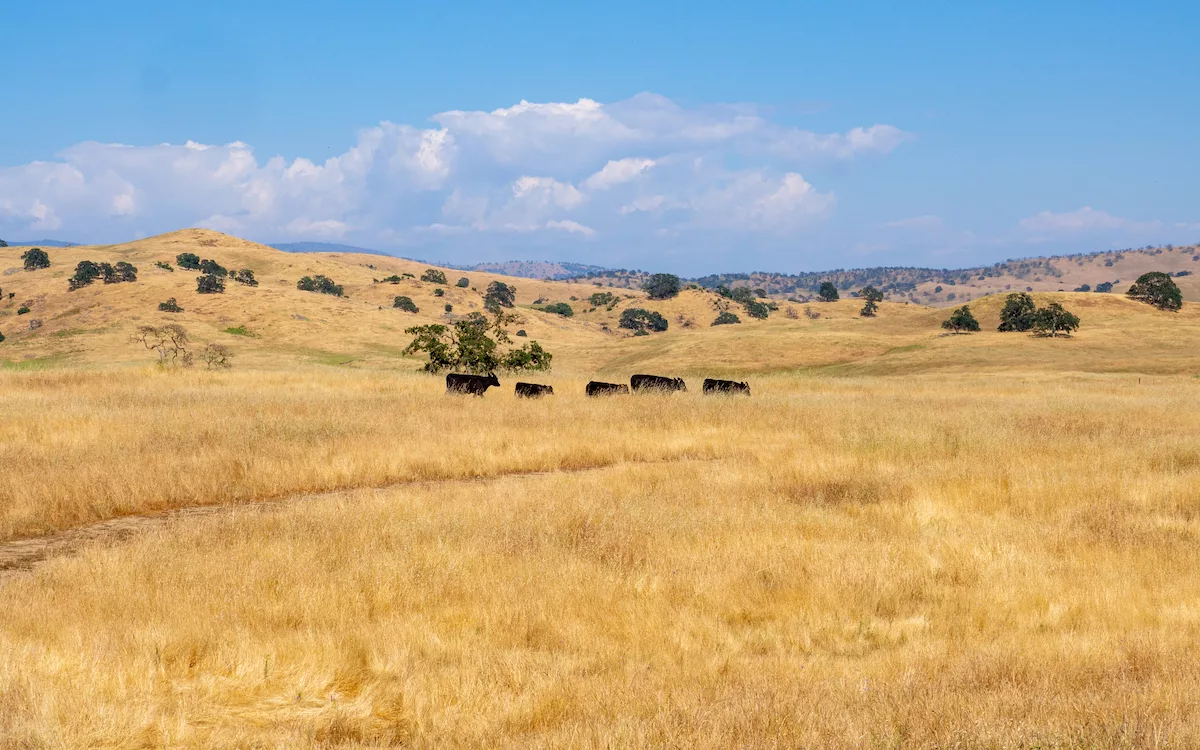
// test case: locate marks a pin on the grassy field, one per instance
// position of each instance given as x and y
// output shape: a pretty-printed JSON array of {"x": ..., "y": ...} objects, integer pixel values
[
  {"x": 903, "y": 539},
  {"x": 995, "y": 560}
]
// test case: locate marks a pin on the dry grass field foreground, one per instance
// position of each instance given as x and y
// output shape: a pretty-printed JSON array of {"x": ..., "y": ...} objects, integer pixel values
[{"x": 971, "y": 560}]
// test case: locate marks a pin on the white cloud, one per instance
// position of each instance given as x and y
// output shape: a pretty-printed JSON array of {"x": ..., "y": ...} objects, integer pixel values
[
  {"x": 617, "y": 172},
  {"x": 1086, "y": 219},
  {"x": 624, "y": 171},
  {"x": 573, "y": 227}
]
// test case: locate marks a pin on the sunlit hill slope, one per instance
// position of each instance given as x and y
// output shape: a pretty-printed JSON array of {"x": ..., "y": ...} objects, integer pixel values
[{"x": 275, "y": 324}]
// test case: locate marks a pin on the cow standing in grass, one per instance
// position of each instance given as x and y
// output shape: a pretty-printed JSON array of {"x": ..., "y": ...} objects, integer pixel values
[
  {"x": 475, "y": 385},
  {"x": 596, "y": 388},
  {"x": 533, "y": 390},
  {"x": 712, "y": 385},
  {"x": 657, "y": 383}
]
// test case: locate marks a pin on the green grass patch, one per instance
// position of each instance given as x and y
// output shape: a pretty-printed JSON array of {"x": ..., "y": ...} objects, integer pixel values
[
  {"x": 34, "y": 363},
  {"x": 241, "y": 331}
]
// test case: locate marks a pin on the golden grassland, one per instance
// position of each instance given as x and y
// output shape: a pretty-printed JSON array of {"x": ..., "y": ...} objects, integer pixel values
[
  {"x": 994, "y": 560},
  {"x": 903, "y": 539}
]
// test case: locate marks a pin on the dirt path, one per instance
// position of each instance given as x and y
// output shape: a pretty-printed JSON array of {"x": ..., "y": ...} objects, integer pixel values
[{"x": 23, "y": 555}]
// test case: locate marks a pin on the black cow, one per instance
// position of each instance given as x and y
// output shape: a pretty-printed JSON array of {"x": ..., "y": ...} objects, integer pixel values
[
  {"x": 712, "y": 385},
  {"x": 533, "y": 390},
  {"x": 476, "y": 385},
  {"x": 596, "y": 388},
  {"x": 656, "y": 383}
]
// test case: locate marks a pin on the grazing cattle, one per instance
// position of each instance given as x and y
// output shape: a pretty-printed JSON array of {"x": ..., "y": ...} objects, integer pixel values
[
  {"x": 656, "y": 383},
  {"x": 712, "y": 385},
  {"x": 533, "y": 390},
  {"x": 596, "y": 388},
  {"x": 476, "y": 385}
]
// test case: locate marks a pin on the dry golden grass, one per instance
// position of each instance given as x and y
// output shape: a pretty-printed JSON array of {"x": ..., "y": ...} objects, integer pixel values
[{"x": 984, "y": 560}]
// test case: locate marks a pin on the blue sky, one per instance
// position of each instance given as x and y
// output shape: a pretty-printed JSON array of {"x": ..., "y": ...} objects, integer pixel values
[{"x": 692, "y": 137}]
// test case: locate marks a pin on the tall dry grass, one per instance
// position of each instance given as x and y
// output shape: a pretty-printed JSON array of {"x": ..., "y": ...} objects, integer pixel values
[{"x": 923, "y": 562}]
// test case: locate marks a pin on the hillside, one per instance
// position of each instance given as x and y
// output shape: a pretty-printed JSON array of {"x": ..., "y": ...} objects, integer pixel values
[
  {"x": 275, "y": 324},
  {"x": 945, "y": 287}
]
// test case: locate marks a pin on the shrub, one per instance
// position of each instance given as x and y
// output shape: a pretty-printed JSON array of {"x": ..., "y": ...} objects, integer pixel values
[
  {"x": 463, "y": 283},
  {"x": 499, "y": 295},
  {"x": 35, "y": 324},
  {"x": 961, "y": 320},
  {"x": 872, "y": 297},
  {"x": 661, "y": 286},
  {"x": 811, "y": 314},
  {"x": 35, "y": 258},
  {"x": 170, "y": 306},
  {"x": 1104, "y": 287},
  {"x": 1156, "y": 288},
  {"x": 636, "y": 319},
  {"x": 439, "y": 292},
  {"x": 85, "y": 273},
  {"x": 472, "y": 344},
  {"x": 122, "y": 271},
  {"x": 449, "y": 307},
  {"x": 241, "y": 330},
  {"x": 164, "y": 265},
  {"x": 209, "y": 284},
  {"x": 1053, "y": 319},
  {"x": 559, "y": 308},
  {"x": 244, "y": 276},
  {"x": 434, "y": 276},
  {"x": 603, "y": 299},
  {"x": 188, "y": 261},
  {"x": 1083, "y": 288},
  {"x": 522, "y": 333},
  {"x": 213, "y": 268},
  {"x": 406, "y": 304},
  {"x": 320, "y": 284},
  {"x": 393, "y": 279},
  {"x": 216, "y": 356},
  {"x": 1018, "y": 313},
  {"x": 827, "y": 292},
  {"x": 1, "y": 334},
  {"x": 726, "y": 318},
  {"x": 756, "y": 309},
  {"x": 22, "y": 310},
  {"x": 937, "y": 289}
]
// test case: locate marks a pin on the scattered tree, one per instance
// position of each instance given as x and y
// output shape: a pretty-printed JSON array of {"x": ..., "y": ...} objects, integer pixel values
[
  {"x": 118, "y": 273},
  {"x": 661, "y": 286},
  {"x": 603, "y": 299},
  {"x": 559, "y": 308},
  {"x": 170, "y": 306},
  {"x": 434, "y": 276},
  {"x": 1054, "y": 319},
  {"x": 726, "y": 318},
  {"x": 3, "y": 244},
  {"x": 1156, "y": 288},
  {"x": 85, "y": 273},
  {"x": 473, "y": 344},
  {"x": 449, "y": 307},
  {"x": 439, "y": 292},
  {"x": 405, "y": 303},
  {"x": 642, "y": 321},
  {"x": 1018, "y": 313},
  {"x": 23, "y": 310},
  {"x": 1104, "y": 287},
  {"x": 1083, "y": 288},
  {"x": 188, "y": 261},
  {"x": 872, "y": 297},
  {"x": 463, "y": 283},
  {"x": 320, "y": 284},
  {"x": 169, "y": 342},
  {"x": 210, "y": 284},
  {"x": 216, "y": 356},
  {"x": 756, "y": 309},
  {"x": 213, "y": 268},
  {"x": 522, "y": 333},
  {"x": 35, "y": 258},
  {"x": 961, "y": 320},
  {"x": 827, "y": 292},
  {"x": 164, "y": 265},
  {"x": 244, "y": 276},
  {"x": 499, "y": 295},
  {"x": 1, "y": 334}
]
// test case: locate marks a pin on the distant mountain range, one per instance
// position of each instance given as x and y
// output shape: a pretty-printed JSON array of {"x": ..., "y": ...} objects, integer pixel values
[
  {"x": 41, "y": 243},
  {"x": 323, "y": 247},
  {"x": 538, "y": 269}
]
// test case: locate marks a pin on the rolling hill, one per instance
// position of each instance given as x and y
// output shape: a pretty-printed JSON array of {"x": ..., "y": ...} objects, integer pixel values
[{"x": 275, "y": 325}]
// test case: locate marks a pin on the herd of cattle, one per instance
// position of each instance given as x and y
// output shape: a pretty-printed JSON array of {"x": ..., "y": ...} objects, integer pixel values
[{"x": 477, "y": 385}]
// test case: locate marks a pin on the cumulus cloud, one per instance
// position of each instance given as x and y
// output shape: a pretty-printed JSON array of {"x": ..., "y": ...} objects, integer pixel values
[
  {"x": 644, "y": 167},
  {"x": 1086, "y": 219}
]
